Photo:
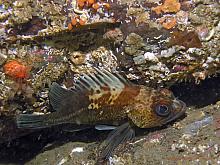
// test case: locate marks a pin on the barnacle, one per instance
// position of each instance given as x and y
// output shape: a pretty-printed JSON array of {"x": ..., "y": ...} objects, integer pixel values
[
  {"x": 16, "y": 69},
  {"x": 187, "y": 39},
  {"x": 167, "y": 7}
]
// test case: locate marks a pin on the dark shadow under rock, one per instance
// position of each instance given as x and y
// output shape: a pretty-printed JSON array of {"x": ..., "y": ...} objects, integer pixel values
[{"x": 198, "y": 95}]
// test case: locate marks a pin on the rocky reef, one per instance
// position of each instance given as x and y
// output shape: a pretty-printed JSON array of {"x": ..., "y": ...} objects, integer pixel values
[{"x": 155, "y": 43}]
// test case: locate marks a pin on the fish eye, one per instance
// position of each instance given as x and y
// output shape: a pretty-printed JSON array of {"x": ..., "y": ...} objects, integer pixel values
[{"x": 162, "y": 110}]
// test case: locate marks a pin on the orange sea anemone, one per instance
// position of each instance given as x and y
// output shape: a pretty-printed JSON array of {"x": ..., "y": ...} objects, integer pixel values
[{"x": 16, "y": 69}]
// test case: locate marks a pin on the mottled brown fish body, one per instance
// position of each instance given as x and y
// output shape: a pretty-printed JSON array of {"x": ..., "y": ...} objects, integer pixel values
[
  {"x": 106, "y": 98},
  {"x": 111, "y": 107},
  {"x": 103, "y": 97}
]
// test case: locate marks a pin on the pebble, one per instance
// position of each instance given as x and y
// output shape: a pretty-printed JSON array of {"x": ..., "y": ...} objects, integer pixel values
[
  {"x": 149, "y": 56},
  {"x": 193, "y": 128}
]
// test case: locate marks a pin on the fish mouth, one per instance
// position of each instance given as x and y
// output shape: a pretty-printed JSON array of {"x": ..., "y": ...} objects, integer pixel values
[{"x": 177, "y": 104}]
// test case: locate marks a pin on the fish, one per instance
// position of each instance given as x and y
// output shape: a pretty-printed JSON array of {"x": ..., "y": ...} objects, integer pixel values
[{"x": 106, "y": 98}]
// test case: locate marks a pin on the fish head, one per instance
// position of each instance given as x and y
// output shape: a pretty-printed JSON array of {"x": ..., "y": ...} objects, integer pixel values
[{"x": 154, "y": 108}]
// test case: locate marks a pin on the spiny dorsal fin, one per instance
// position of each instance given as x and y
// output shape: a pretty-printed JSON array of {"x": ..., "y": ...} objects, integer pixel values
[
  {"x": 93, "y": 91},
  {"x": 103, "y": 88},
  {"x": 94, "y": 81}
]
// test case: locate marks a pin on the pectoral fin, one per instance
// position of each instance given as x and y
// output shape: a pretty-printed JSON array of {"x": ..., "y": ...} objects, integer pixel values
[{"x": 121, "y": 134}]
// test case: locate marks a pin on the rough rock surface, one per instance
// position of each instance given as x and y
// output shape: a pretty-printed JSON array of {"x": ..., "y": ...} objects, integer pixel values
[{"x": 151, "y": 42}]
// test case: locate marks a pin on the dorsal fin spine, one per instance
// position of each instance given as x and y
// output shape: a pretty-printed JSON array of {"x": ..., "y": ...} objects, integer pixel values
[
  {"x": 93, "y": 76},
  {"x": 83, "y": 83},
  {"x": 110, "y": 78},
  {"x": 98, "y": 79},
  {"x": 77, "y": 86},
  {"x": 91, "y": 81},
  {"x": 121, "y": 78},
  {"x": 115, "y": 79}
]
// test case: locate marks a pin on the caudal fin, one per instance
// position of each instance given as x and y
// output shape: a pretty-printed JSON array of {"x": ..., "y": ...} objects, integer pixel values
[{"x": 31, "y": 121}]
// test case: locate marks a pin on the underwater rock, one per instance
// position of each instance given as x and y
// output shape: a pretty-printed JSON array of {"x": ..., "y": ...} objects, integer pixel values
[
  {"x": 193, "y": 128},
  {"x": 186, "y": 39},
  {"x": 59, "y": 40}
]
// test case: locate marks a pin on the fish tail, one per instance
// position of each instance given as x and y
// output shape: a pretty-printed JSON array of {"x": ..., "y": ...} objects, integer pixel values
[{"x": 32, "y": 121}]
